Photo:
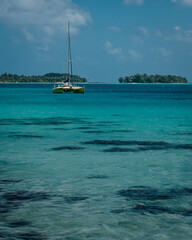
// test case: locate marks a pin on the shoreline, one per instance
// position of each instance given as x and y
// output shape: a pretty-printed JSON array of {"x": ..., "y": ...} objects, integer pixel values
[{"x": 98, "y": 83}]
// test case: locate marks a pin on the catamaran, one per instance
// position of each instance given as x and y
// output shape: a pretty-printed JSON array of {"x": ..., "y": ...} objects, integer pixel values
[{"x": 67, "y": 86}]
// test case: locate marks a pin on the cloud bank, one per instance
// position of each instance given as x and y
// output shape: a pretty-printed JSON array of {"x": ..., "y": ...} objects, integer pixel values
[
  {"x": 186, "y": 3},
  {"x": 134, "y": 55},
  {"x": 114, "y": 28},
  {"x": 133, "y": 2},
  {"x": 111, "y": 49},
  {"x": 45, "y": 17},
  {"x": 176, "y": 34}
]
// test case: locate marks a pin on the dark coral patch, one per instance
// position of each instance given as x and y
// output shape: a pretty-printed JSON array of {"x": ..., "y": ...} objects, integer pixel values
[
  {"x": 31, "y": 236},
  {"x": 118, "y": 211},
  {"x": 4, "y": 208},
  {"x": 67, "y": 148},
  {"x": 43, "y": 121},
  {"x": 7, "y": 181},
  {"x": 144, "y": 193},
  {"x": 25, "y": 195},
  {"x": 9, "y": 205},
  {"x": 120, "y": 142},
  {"x": 141, "y": 145},
  {"x": 74, "y": 199},
  {"x": 18, "y": 223},
  {"x": 179, "y": 192},
  {"x": 97, "y": 177},
  {"x": 147, "y": 193},
  {"x": 10, "y": 121},
  {"x": 27, "y": 136},
  {"x": 83, "y": 128},
  {"x": 158, "y": 147},
  {"x": 183, "y": 146},
  {"x": 154, "y": 209}
]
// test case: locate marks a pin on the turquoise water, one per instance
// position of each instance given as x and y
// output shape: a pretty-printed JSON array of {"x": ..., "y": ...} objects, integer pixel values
[{"x": 113, "y": 163}]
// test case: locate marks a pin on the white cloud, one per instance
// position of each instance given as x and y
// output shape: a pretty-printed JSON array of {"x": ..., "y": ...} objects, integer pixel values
[
  {"x": 114, "y": 28},
  {"x": 135, "y": 55},
  {"x": 144, "y": 31},
  {"x": 158, "y": 33},
  {"x": 177, "y": 35},
  {"x": 133, "y": 2},
  {"x": 137, "y": 39},
  {"x": 183, "y": 36},
  {"x": 186, "y": 3},
  {"x": 111, "y": 49},
  {"x": 177, "y": 28},
  {"x": 28, "y": 35},
  {"x": 43, "y": 48},
  {"x": 164, "y": 52},
  {"x": 46, "y": 17}
]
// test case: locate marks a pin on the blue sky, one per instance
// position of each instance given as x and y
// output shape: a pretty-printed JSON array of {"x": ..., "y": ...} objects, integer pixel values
[{"x": 110, "y": 38}]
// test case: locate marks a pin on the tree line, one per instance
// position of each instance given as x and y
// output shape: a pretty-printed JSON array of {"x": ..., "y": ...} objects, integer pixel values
[
  {"x": 144, "y": 78},
  {"x": 46, "y": 78}
]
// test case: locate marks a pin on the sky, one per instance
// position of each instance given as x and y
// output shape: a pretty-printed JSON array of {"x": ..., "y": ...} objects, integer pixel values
[{"x": 109, "y": 38}]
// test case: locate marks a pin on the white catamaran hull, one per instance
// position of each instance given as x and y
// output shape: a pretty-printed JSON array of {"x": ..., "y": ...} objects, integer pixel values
[
  {"x": 58, "y": 90},
  {"x": 74, "y": 89}
]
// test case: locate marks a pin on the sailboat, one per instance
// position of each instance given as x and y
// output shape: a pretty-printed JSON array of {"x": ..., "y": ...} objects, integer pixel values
[{"x": 67, "y": 86}]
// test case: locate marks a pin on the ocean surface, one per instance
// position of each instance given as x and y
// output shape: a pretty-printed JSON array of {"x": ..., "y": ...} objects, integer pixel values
[{"x": 114, "y": 163}]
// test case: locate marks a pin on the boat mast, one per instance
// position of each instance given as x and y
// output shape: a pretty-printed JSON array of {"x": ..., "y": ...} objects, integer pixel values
[{"x": 69, "y": 55}]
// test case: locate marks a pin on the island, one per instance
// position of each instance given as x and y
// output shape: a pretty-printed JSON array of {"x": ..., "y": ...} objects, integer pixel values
[
  {"x": 46, "y": 78},
  {"x": 144, "y": 78}
]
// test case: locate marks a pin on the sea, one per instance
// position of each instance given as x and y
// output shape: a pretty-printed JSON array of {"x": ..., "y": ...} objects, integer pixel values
[{"x": 114, "y": 163}]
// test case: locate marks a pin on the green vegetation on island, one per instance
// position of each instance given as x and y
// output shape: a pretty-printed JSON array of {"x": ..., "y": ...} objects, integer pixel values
[
  {"x": 47, "y": 78},
  {"x": 144, "y": 78}
]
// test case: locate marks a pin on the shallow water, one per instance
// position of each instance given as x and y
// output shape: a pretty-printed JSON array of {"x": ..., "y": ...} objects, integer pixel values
[{"x": 113, "y": 163}]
